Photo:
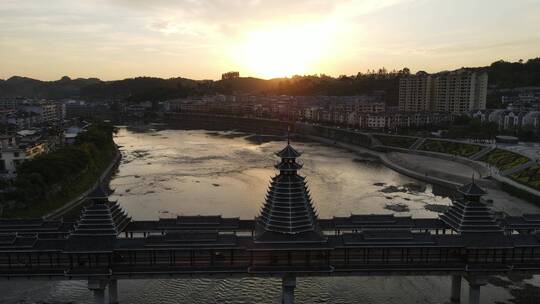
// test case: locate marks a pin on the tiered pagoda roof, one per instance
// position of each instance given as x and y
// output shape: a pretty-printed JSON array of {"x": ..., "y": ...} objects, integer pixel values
[
  {"x": 288, "y": 214},
  {"x": 470, "y": 214},
  {"x": 101, "y": 221},
  {"x": 288, "y": 152},
  {"x": 471, "y": 190},
  {"x": 101, "y": 218}
]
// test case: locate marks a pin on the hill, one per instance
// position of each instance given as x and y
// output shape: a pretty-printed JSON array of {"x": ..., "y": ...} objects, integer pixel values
[{"x": 502, "y": 74}]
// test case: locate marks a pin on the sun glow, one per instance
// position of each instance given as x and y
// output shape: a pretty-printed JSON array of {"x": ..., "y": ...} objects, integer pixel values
[{"x": 279, "y": 52}]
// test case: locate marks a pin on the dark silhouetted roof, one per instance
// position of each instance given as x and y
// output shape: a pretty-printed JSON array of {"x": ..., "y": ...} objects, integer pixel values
[
  {"x": 467, "y": 216},
  {"x": 99, "y": 219},
  {"x": 288, "y": 152},
  {"x": 98, "y": 193},
  {"x": 471, "y": 189}
]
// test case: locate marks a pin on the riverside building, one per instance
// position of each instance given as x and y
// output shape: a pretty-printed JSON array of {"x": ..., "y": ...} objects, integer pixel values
[{"x": 457, "y": 92}]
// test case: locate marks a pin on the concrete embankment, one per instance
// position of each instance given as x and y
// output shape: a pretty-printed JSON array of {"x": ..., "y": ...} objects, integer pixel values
[
  {"x": 480, "y": 169},
  {"x": 102, "y": 180},
  {"x": 423, "y": 170},
  {"x": 443, "y": 172}
]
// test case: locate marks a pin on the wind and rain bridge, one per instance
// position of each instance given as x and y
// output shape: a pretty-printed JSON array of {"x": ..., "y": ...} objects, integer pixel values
[{"x": 287, "y": 240}]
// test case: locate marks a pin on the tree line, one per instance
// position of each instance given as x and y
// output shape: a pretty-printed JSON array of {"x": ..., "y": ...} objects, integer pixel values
[
  {"x": 55, "y": 175},
  {"x": 502, "y": 74}
]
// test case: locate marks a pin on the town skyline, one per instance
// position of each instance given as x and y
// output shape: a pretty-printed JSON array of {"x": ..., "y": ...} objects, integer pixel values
[
  {"x": 121, "y": 39},
  {"x": 219, "y": 76}
]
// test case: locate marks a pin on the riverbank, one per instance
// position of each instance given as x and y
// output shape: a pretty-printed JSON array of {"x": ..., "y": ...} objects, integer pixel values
[
  {"x": 426, "y": 170},
  {"x": 491, "y": 170},
  {"x": 102, "y": 181},
  {"x": 52, "y": 183},
  {"x": 56, "y": 208}
]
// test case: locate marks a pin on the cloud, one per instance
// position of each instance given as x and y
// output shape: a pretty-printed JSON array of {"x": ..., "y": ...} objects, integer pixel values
[
  {"x": 129, "y": 34},
  {"x": 170, "y": 27}
]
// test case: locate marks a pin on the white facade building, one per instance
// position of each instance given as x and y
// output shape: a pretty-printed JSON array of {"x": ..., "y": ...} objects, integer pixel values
[
  {"x": 459, "y": 91},
  {"x": 415, "y": 93},
  {"x": 12, "y": 155}
]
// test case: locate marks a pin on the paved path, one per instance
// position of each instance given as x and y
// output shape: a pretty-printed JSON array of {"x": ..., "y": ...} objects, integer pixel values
[
  {"x": 426, "y": 164},
  {"x": 81, "y": 198},
  {"x": 433, "y": 170}
]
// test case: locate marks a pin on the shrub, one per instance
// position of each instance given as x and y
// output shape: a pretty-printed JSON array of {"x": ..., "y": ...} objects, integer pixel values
[
  {"x": 396, "y": 141},
  {"x": 449, "y": 147},
  {"x": 503, "y": 159}
]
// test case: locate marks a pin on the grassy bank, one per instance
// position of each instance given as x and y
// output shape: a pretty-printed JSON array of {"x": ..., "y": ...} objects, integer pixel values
[
  {"x": 48, "y": 182},
  {"x": 503, "y": 159},
  {"x": 529, "y": 177},
  {"x": 396, "y": 141},
  {"x": 448, "y": 147}
]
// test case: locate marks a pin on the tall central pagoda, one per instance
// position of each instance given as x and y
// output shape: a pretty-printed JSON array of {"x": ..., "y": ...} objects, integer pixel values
[{"x": 288, "y": 214}]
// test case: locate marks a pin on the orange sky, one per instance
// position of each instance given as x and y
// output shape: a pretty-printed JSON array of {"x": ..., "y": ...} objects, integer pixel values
[{"x": 113, "y": 39}]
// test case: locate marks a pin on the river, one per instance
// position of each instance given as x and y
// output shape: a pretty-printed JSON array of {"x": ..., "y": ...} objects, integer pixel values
[{"x": 165, "y": 173}]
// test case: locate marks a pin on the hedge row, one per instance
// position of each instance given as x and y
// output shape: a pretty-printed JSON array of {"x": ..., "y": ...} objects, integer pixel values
[
  {"x": 503, "y": 159},
  {"x": 449, "y": 147},
  {"x": 396, "y": 141},
  {"x": 529, "y": 177}
]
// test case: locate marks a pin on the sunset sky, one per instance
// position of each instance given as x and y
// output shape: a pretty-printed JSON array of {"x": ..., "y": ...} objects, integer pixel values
[{"x": 114, "y": 39}]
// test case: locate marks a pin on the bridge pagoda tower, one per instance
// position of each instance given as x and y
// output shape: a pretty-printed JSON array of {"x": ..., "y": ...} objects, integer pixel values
[
  {"x": 100, "y": 223},
  {"x": 288, "y": 215},
  {"x": 473, "y": 219},
  {"x": 469, "y": 214}
]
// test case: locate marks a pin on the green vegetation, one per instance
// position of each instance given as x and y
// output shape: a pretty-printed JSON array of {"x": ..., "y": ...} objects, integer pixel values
[
  {"x": 47, "y": 182},
  {"x": 515, "y": 74},
  {"x": 448, "y": 147},
  {"x": 503, "y": 159},
  {"x": 502, "y": 74},
  {"x": 529, "y": 177},
  {"x": 396, "y": 141},
  {"x": 466, "y": 127}
]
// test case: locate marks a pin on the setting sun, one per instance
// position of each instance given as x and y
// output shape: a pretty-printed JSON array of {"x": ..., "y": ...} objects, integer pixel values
[{"x": 280, "y": 52}]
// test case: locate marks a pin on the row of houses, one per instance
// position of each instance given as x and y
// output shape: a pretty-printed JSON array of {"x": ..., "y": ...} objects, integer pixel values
[
  {"x": 25, "y": 145},
  {"x": 24, "y": 113},
  {"x": 364, "y": 111},
  {"x": 16, "y": 148},
  {"x": 389, "y": 119},
  {"x": 509, "y": 119}
]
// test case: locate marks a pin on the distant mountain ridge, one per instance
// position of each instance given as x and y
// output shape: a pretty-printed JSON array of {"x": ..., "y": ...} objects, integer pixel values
[
  {"x": 29, "y": 87},
  {"x": 502, "y": 74}
]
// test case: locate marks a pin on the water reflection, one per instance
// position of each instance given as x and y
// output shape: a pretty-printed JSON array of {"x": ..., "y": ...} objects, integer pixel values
[{"x": 196, "y": 172}]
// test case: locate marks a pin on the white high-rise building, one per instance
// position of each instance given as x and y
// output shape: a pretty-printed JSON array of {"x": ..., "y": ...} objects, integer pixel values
[
  {"x": 460, "y": 91},
  {"x": 456, "y": 92},
  {"x": 415, "y": 93}
]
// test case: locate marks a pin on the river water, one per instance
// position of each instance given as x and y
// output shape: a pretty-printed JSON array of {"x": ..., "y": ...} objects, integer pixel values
[{"x": 165, "y": 173}]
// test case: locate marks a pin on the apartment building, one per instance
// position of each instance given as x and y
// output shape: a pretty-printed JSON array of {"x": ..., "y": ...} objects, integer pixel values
[
  {"x": 10, "y": 103},
  {"x": 23, "y": 119},
  {"x": 457, "y": 92},
  {"x": 415, "y": 93},
  {"x": 13, "y": 154},
  {"x": 46, "y": 111},
  {"x": 460, "y": 91}
]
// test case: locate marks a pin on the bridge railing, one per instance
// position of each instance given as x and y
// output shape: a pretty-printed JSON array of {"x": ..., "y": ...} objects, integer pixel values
[{"x": 222, "y": 258}]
